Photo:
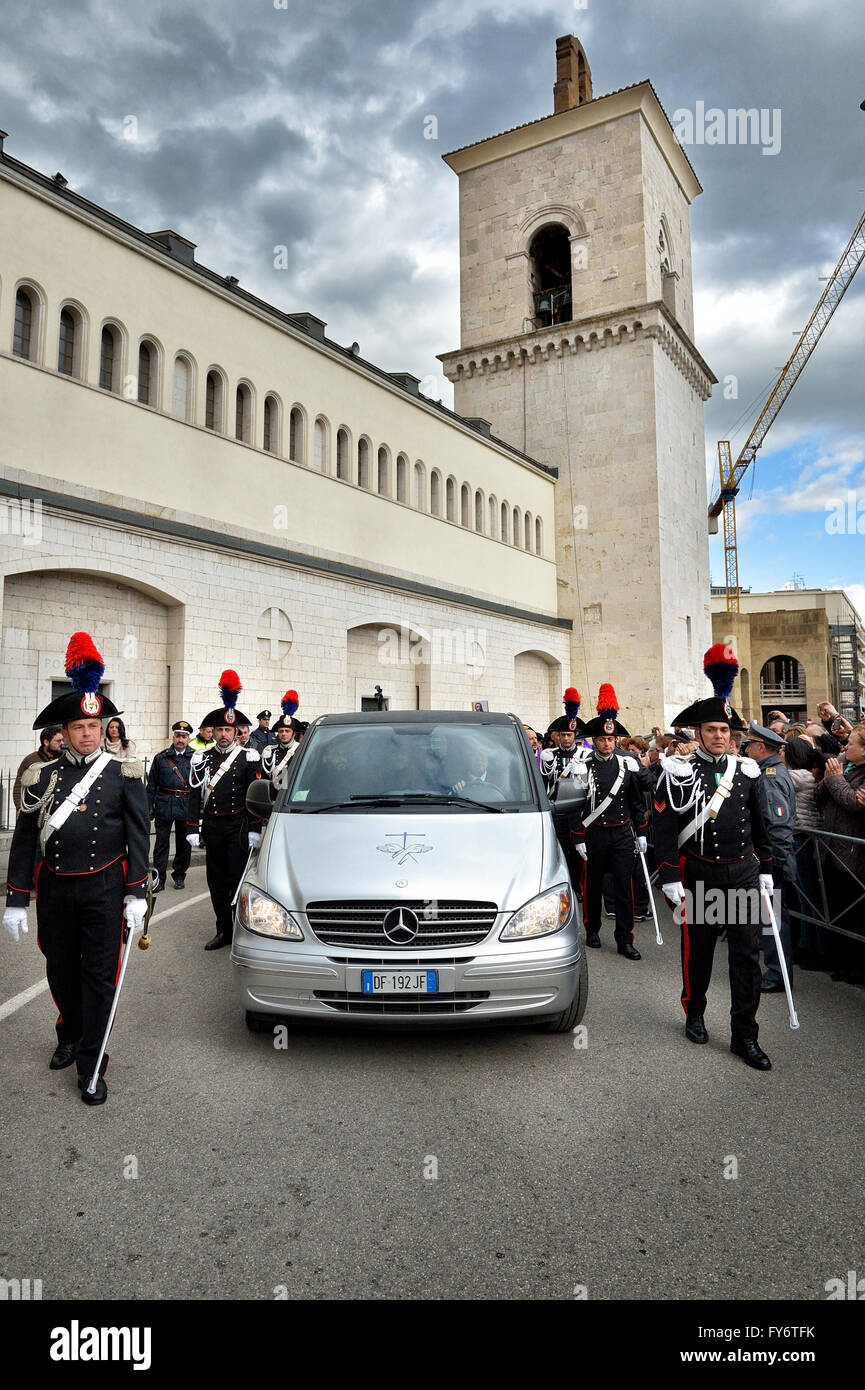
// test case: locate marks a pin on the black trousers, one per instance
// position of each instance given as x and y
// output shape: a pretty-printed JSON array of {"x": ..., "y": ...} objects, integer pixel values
[
  {"x": 719, "y": 896},
  {"x": 79, "y": 920},
  {"x": 611, "y": 849},
  {"x": 572, "y": 859},
  {"x": 226, "y": 851},
  {"x": 162, "y": 848}
]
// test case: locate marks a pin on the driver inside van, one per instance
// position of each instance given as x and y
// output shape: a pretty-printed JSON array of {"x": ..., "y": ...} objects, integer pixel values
[{"x": 477, "y": 764}]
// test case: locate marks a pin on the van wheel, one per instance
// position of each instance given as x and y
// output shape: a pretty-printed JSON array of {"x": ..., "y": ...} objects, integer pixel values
[
  {"x": 570, "y": 1017},
  {"x": 259, "y": 1023}
]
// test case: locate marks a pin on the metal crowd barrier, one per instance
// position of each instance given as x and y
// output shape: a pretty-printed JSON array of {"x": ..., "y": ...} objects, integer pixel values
[{"x": 819, "y": 913}]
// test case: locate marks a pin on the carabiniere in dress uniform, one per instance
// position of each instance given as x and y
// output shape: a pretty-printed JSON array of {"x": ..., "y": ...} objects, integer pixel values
[{"x": 84, "y": 823}]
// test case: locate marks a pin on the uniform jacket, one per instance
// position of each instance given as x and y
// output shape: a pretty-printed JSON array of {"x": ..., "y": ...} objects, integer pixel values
[
  {"x": 628, "y": 806},
  {"x": 277, "y": 759},
  {"x": 779, "y": 809},
  {"x": 37, "y": 757},
  {"x": 843, "y": 815},
  {"x": 111, "y": 824},
  {"x": 739, "y": 829},
  {"x": 228, "y": 798},
  {"x": 167, "y": 781},
  {"x": 260, "y": 739}
]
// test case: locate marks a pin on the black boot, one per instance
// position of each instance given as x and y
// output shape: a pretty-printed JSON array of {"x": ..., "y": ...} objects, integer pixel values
[
  {"x": 751, "y": 1054},
  {"x": 593, "y": 939},
  {"x": 216, "y": 941},
  {"x": 695, "y": 1029},
  {"x": 627, "y": 949},
  {"x": 63, "y": 1056},
  {"x": 180, "y": 881}
]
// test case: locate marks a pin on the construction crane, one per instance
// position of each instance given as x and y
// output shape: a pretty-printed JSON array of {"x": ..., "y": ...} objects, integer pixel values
[{"x": 731, "y": 474}]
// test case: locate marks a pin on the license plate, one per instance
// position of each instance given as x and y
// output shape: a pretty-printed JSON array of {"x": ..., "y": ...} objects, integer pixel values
[{"x": 400, "y": 981}]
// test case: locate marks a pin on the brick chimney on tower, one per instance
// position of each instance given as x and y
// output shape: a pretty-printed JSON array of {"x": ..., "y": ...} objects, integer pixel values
[{"x": 573, "y": 75}]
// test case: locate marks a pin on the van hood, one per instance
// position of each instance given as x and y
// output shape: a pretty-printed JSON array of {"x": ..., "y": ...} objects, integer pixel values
[{"x": 480, "y": 857}]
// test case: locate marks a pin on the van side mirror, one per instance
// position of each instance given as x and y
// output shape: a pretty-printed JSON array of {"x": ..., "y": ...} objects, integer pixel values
[
  {"x": 260, "y": 796},
  {"x": 568, "y": 796}
]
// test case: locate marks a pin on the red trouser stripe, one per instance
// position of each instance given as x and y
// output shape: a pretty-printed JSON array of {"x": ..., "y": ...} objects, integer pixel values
[{"x": 686, "y": 946}]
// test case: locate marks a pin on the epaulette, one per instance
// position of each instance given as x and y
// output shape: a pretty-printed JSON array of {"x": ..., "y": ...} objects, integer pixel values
[
  {"x": 30, "y": 776},
  {"x": 252, "y": 756},
  {"x": 133, "y": 767},
  {"x": 750, "y": 767},
  {"x": 631, "y": 763},
  {"x": 678, "y": 767}
]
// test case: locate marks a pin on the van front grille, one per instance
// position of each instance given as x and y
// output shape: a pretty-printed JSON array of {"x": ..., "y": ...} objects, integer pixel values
[
  {"x": 440, "y": 923},
  {"x": 382, "y": 1004}
]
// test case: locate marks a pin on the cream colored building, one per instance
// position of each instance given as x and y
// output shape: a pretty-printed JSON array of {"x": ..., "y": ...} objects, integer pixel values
[{"x": 200, "y": 481}]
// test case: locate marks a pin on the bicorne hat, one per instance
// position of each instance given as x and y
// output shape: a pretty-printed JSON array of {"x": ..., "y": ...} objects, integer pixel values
[
  {"x": 227, "y": 716},
  {"x": 606, "y": 721},
  {"x": 722, "y": 668},
  {"x": 85, "y": 669},
  {"x": 568, "y": 722},
  {"x": 290, "y": 702}
]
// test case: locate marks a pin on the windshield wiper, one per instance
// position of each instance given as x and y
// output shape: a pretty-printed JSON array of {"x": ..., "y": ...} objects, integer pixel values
[{"x": 401, "y": 799}]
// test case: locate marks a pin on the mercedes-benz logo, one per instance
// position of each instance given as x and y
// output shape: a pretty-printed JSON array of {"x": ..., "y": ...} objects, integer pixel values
[{"x": 400, "y": 926}]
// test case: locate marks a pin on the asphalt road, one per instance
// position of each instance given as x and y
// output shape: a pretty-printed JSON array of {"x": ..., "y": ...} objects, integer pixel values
[{"x": 558, "y": 1168}]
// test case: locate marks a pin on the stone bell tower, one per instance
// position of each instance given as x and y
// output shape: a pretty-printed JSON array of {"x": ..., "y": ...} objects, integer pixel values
[{"x": 577, "y": 347}]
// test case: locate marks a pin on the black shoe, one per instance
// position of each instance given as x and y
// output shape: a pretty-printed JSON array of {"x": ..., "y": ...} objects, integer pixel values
[
  {"x": 180, "y": 882},
  {"x": 593, "y": 939},
  {"x": 695, "y": 1029},
  {"x": 100, "y": 1095},
  {"x": 631, "y": 952},
  {"x": 751, "y": 1054},
  {"x": 609, "y": 912},
  {"x": 157, "y": 887},
  {"x": 776, "y": 988},
  {"x": 216, "y": 941},
  {"x": 642, "y": 916},
  {"x": 63, "y": 1055}
]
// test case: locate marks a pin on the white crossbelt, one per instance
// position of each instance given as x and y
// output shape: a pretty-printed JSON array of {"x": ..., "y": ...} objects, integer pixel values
[
  {"x": 238, "y": 748},
  {"x": 712, "y": 807},
  {"x": 593, "y": 815},
  {"x": 73, "y": 800}
]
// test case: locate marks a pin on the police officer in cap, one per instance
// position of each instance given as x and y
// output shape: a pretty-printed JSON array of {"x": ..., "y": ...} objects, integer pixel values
[
  {"x": 87, "y": 814},
  {"x": 779, "y": 808},
  {"x": 711, "y": 844},
  {"x": 217, "y": 807},
  {"x": 611, "y": 824},
  {"x": 168, "y": 796},
  {"x": 263, "y": 736}
]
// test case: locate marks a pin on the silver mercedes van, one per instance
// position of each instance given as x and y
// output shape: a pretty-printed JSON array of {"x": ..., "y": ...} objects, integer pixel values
[{"x": 409, "y": 874}]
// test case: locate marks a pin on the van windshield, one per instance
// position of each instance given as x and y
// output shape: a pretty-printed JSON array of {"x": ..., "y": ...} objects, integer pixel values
[{"x": 426, "y": 764}]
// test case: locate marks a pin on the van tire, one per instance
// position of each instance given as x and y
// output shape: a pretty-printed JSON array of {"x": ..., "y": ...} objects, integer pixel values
[
  {"x": 570, "y": 1017},
  {"x": 259, "y": 1023}
]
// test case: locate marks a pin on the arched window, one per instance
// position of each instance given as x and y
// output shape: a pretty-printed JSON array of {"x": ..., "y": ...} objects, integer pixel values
[
  {"x": 26, "y": 323},
  {"x": 528, "y": 530},
  {"x": 550, "y": 274},
  {"x": 343, "y": 454},
  {"x": 506, "y": 523},
  {"x": 384, "y": 470},
  {"x": 322, "y": 445},
  {"x": 297, "y": 435},
  {"x": 363, "y": 452},
  {"x": 465, "y": 505},
  {"x": 420, "y": 486},
  {"x": 435, "y": 493},
  {"x": 539, "y": 536},
  {"x": 271, "y": 424},
  {"x": 451, "y": 499},
  {"x": 479, "y": 510},
  {"x": 243, "y": 413},
  {"x": 401, "y": 478},
  {"x": 71, "y": 342},
  {"x": 215, "y": 395},
  {"x": 518, "y": 528},
  {"x": 493, "y": 509},
  {"x": 147, "y": 382},
  {"x": 109, "y": 358}
]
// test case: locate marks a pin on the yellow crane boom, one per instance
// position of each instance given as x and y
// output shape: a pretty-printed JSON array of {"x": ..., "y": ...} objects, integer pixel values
[{"x": 730, "y": 473}]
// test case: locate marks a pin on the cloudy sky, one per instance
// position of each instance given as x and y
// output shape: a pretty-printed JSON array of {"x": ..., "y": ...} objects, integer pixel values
[{"x": 264, "y": 123}]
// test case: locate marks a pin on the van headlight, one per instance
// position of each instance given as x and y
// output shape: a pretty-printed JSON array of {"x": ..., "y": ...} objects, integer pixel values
[
  {"x": 548, "y": 913},
  {"x": 260, "y": 914}
]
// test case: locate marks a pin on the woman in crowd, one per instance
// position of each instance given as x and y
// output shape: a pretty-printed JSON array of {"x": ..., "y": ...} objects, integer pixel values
[
  {"x": 116, "y": 743},
  {"x": 841, "y": 795},
  {"x": 805, "y": 765}
]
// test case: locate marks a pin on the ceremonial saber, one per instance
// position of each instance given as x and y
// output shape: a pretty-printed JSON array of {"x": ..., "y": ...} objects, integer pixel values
[
  {"x": 144, "y": 943},
  {"x": 659, "y": 940},
  {"x": 794, "y": 1021},
  {"x": 243, "y": 876}
]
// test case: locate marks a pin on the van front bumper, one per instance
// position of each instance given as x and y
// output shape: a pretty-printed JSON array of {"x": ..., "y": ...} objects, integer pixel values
[{"x": 511, "y": 982}]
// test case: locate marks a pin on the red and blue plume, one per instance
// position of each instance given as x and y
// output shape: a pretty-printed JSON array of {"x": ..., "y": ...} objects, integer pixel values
[
  {"x": 608, "y": 704},
  {"x": 84, "y": 666},
  {"x": 229, "y": 688},
  {"x": 722, "y": 668},
  {"x": 571, "y": 700},
  {"x": 289, "y": 703}
]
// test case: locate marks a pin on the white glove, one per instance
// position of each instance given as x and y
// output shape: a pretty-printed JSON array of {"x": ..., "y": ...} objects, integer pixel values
[
  {"x": 547, "y": 759},
  {"x": 254, "y": 839},
  {"x": 767, "y": 884},
  {"x": 135, "y": 911},
  {"x": 674, "y": 893},
  {"x": 194, "y": 840},
  {"x": 581, "y": 849},
  {"x": 642, "y": 844},
  {"x": 15, "y": 920}
]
